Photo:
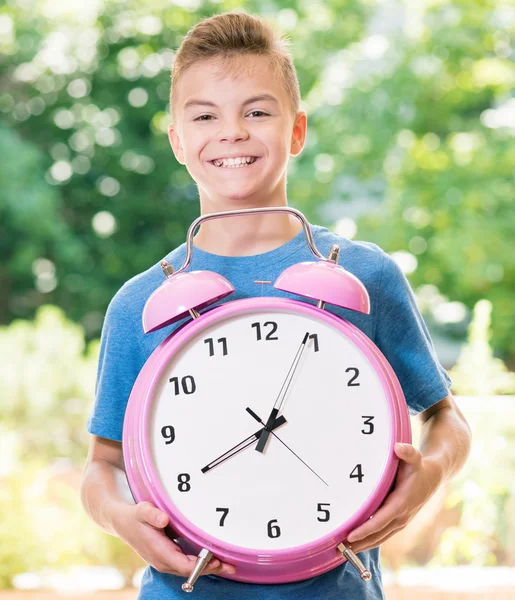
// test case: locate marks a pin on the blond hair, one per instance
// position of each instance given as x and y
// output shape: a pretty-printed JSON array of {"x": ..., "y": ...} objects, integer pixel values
[{"x": 236, "y": 35}]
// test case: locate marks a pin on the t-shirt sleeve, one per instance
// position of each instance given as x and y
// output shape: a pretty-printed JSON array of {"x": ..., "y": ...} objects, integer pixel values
[
  {"x": 402, "y": 336},
  {"x": 119, "y": 363}
]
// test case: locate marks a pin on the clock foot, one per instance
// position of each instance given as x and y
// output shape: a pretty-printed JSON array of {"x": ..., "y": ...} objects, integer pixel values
[
  {"x": 354, "y": 561},
  {"x": 203, "y": 558}
]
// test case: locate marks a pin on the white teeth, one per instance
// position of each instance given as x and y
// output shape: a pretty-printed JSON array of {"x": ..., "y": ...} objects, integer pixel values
[{"x": 234, "y": 162}]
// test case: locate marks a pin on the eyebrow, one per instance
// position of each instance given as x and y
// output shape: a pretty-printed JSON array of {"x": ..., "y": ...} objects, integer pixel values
[{"x": 261, "y": 97}]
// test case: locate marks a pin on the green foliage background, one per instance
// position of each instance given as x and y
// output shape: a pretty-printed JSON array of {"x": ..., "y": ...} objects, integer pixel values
[
  {"x": 411, "y": 134},
  {"x": 411, "y": 140}
]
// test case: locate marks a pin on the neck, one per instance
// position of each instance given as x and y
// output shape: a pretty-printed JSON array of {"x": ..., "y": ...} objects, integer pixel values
[{"x": 246, "y": 235}]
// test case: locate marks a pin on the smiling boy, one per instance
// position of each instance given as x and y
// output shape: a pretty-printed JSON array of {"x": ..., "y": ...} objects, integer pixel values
[{"x": 235, "y": 124}]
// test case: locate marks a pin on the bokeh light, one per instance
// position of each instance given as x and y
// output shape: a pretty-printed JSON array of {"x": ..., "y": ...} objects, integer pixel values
[{"x": 104, "y": 224}]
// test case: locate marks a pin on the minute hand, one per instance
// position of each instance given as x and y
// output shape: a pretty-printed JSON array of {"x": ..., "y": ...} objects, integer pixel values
[
  {"x": 241, "y": 446},
  {"x": 263, "y": 438}
]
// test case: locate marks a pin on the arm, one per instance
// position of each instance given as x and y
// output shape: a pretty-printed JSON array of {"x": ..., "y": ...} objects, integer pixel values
[
  {"x": 445, "y": 438},
  {"x": 104, "y": 490},
  {"x": 444, "y": 447},
  {"x": 106, "y": 498}
]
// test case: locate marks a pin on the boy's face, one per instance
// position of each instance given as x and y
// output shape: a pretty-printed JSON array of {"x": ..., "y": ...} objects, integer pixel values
[{"x": 230, "y": 127}]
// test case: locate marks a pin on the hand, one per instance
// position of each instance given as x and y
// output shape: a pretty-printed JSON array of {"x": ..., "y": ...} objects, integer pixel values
[
  {"x": 417, "y": 480},
  {"x": 141, "y": 527},
  {"x": 241, "y": 446},
  {"x": 282, "y": 395}
]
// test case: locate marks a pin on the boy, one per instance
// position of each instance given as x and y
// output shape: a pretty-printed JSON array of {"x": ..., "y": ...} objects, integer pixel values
[{"x": 235, "y": 94}]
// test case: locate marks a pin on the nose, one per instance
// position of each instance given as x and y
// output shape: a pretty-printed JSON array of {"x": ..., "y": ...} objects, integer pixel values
[{"x": 233, "y": 130}]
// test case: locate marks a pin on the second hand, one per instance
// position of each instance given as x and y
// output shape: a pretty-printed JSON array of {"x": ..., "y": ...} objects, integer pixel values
[{"x": 253, "y": 414}]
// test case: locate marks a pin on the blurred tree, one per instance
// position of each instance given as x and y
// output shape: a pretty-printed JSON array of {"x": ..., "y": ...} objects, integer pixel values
[
  {"x": 438, "y": 125},
  {"x": 48, "y": 378},
  {"x": 89, "y": 92},
  {"x": 48, "y": 374},
  {"x": 478, "y": 372},
  {"x": 484, "y": 491},
  {"x": 410, "y": 135},
  {"x": 32, "y": 226}
]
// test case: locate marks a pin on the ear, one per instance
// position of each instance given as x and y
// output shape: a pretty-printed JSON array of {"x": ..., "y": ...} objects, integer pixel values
[
  {"x": 299, "y": 133},
  {"x": 175, "y": 142}
]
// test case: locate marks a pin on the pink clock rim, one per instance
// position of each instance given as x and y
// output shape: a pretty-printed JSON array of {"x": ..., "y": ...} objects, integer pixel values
[{"x": 135, "y": 426}]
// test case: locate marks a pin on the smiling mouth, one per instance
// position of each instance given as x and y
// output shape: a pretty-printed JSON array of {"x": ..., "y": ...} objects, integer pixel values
[{"x": 236, "y": 167}]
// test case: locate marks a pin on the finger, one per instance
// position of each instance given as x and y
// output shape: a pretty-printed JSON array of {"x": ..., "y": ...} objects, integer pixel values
[
  {"x": 226, "y": 569},
  {"x": 216, "y": 567},
  {"x": 408, "y": 453},
  {"x": 212, "y": 566},
  {"x": 167, "y": 557},
  {"x": 147, "y": 513},
  {"x": 369, "y": 543},
  {"x": 389, "y": 512}
]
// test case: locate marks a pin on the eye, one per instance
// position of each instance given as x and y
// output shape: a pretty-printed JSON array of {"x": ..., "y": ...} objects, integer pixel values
[
  {"x": 210, "y": 116},
  {"x": 260, "y": 112}
]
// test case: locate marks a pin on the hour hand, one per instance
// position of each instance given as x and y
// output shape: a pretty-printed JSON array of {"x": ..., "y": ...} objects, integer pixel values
[
  {"x": 241, "y": 446},
  {"x": 265, "y": 432}
]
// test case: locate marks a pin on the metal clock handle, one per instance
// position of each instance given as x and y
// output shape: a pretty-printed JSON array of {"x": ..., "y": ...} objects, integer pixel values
[
  {"x": 346, "y": 551},
  {"x": 248, "y": 211},
  {"x": 203, "y": 558}
]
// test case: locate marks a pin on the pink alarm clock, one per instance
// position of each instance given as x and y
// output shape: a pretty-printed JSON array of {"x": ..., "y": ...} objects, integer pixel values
[{"x": 264, "y": 427}]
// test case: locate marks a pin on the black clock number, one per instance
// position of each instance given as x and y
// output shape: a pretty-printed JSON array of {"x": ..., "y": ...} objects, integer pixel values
[
  {"x": 314, "y": 337},
  {"x": 327, "y": 514},
  {"x": 357, "y": 473},
  {"x": 183, "y": 480},
  {"x": 225, "y": 512},
  {"x": 168, "y": 432},
  {"x": 270, "y": 334},
  {"x": 273, "y": 530},
  {"x": 211, "y": 343},
  {"x": 188, "y": 385},
  {"x": 368, "y": 421},
  {"x": 352, "y": 379}
]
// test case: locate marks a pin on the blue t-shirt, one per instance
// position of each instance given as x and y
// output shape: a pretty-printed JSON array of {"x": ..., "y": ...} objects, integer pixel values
[{"x": 394, "y": 325}]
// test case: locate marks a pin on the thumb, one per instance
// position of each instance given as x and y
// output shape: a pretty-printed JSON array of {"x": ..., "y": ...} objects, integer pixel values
[
  {"x": 162, "y": 519},
  {"x": 148, "y": 513},
  {"x": 407, "y": 453}
]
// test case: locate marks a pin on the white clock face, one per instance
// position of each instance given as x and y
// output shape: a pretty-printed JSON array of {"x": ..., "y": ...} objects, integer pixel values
[{"x": 317, "y": 468}]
